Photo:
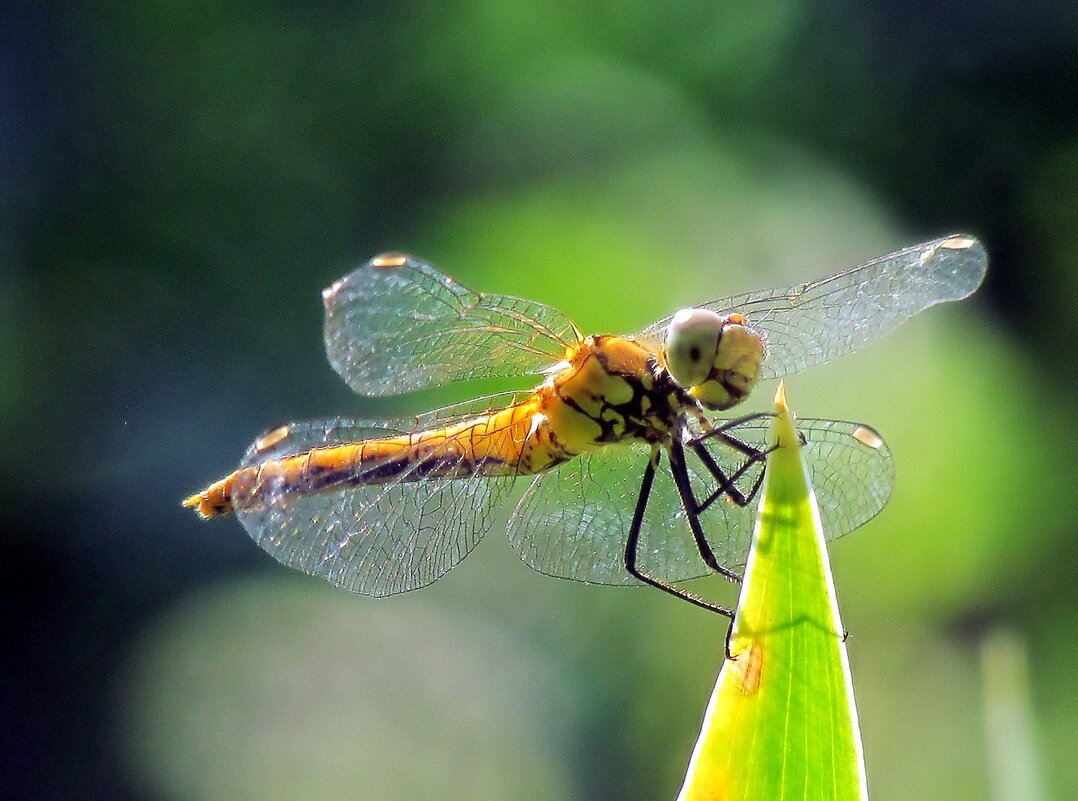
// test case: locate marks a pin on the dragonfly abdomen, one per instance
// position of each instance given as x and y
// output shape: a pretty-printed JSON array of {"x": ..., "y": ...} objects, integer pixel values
[{"x": 512, "y": 441}]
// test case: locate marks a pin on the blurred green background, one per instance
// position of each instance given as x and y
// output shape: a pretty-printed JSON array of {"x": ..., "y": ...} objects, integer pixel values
[{"x": 181, "y": 180}]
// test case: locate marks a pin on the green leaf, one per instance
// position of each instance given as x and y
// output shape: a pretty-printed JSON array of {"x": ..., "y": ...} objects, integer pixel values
[{"x": 781, "y": 723}]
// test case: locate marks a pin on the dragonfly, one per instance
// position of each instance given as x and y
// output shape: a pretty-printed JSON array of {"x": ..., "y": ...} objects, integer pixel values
[{"x": 383, "y": 506}]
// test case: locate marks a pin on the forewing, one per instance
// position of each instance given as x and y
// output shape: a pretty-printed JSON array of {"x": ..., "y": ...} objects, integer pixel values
[
  {"x": 812, "y": 323},
  {"x": 573, "y": 521},
  {"x": 850, "y": 467},
  {"x": 397, "y": 324},
  {"x": 372, "y": 539}
]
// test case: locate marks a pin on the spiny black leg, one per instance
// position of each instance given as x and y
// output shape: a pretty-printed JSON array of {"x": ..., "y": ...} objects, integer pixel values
[
  {"x": 720, "y": 431},
  {"x": 632, "y": 544},
  {"x": 728, "y": 486},
  {"x": 688, "y": 501}
]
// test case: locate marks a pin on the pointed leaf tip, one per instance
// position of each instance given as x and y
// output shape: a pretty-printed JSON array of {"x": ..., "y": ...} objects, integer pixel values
[
  {"x": 781, "y": 722},
  {"x": 781, "y": 407}
]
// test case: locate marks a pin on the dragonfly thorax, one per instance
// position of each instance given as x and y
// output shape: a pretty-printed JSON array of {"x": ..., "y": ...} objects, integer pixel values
[
  {"x": 716, "y": 358},
  {"x": 612, "y": 389}
]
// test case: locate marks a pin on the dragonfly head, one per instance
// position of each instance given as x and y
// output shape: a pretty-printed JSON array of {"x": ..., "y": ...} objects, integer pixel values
[{"x": 716, "y": 358}]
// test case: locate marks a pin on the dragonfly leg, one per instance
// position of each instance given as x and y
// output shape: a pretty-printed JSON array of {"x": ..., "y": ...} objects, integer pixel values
[
  {"x": 692, "y": 514},
  {"x": 720, "y": 432},
  {"x": 728, "y": 485},
  {"x": 632, "y": 545}
]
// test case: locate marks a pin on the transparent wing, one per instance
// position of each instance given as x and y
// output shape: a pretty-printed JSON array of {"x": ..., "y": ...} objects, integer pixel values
[
  {"x": 572, "y": 522},
  {"x": 850, "y": 466},
  {"x": 377, "y": 539},
  {"x": 812, "y": 323},
  {"x": 397, "y": 324}
]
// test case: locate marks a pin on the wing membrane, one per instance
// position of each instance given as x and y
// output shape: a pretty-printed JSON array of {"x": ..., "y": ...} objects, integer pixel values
[
  {"x": 850, "y": 467},
  {"x": 811, "y": 323},
  {"x": 397, "y": 324},
  {"x": 373, "y": 539},
  {"x": 572, "y": 522}
]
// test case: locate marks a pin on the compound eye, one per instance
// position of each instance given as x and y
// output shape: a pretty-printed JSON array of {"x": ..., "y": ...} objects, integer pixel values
[{"x": 692, "y": 340}]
